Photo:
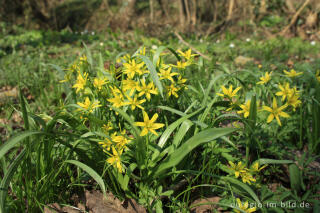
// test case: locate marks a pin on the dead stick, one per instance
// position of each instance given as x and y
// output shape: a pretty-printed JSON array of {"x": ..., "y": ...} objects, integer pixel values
[
  {"x": 294, "y": 18},
  {"x": 189, "y": 45}
]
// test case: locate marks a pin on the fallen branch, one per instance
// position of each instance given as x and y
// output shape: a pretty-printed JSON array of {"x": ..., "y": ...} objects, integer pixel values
[
  {"x": 191, "y": 47},
  {"x": 294, "y": 18}
]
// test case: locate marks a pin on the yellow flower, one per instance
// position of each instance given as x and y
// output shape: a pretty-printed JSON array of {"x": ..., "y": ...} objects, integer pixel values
[
  {"x": 228, "y": 92},
  {"x": 132, "y": 68},
  {"x": 149, "y": 125},
  {"x": 247, "y": 177},
  {"x": 117, "y": 101},
  {"x": 115, "y": 160},
  {"x": 107, "y": 127},
  {"x": 292, "y": 73},
  {"x": 83, "y": 59},
  {"x": 276, "y": 112},
  {"x": 255, "y": 167},
  {"x": 181, "y": 81},
  {"x": 245, "y": 109},
  {"x": 237, "y": 169},
  {"x": 187, "y": 55},
  {"x": 67, "y": 77},
  {"x": 81, "y": 82},
  {"x": 121, "y": 141},
  {"x": 147, "y": 90},
  {"x": 130, "y": 85},
  {"x": 142, "y": 51},
  {"x": 99, "y": 82},
  {"x": 285, "y": 91},
  {"x": 88, "y": 106},
  {"x": 244, "y": 207},
  {"x": 293, "y": 100},
  {"x": 166, "y": 74},
  {"x": 172, "y": 90},
  {"x": 134, "y": 102},
  {"x": 265, "y": 79},
  {"x": 318, "y": 75},
  {"x": 106, "y": 144},
  {"x": 181, "y": 65}
]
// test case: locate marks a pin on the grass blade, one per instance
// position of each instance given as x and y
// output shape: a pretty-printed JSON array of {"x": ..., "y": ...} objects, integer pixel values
[{"x": 91, "y": 172}]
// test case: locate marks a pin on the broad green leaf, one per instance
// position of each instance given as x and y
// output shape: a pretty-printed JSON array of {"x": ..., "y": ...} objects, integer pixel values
[
  {"x": 166, "y": 134},
  {"x": 185, "y": 126},
  {"x": 202, "y": 137},
  {"x": 153, "y": 73},
  {"x": 91, "y": 172}
]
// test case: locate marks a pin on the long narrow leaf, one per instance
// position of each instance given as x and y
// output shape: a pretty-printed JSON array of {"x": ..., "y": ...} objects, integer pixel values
[
  {"x": 7, "y": 179},
  {"x": 202, "y": 137},
  {"x": 91, "y": 172},
  {"x": 243, "y": 186},
  {"x": 153, "y": 73},
  {"x": 4, "y": 148},
  {"x": 173, "y": 126}
]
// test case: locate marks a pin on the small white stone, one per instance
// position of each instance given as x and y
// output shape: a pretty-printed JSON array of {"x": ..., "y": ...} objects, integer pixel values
[
  {"x": 92, "y": 33},
  {"x": 313, "y": 43}
]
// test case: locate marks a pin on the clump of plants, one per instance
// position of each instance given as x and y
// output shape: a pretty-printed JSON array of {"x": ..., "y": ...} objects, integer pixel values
[{"x": 139, "y": 129}]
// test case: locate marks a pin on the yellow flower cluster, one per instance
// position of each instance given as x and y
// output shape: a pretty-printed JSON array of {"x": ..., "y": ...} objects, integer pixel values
[
  {"x": 246, "y": 174},
  {"x": 126, "y": 85}
]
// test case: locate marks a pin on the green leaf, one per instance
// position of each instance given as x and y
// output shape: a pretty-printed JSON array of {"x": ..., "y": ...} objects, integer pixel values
[
  {"x": 295, "y": 177},
  {"x": 253, "y": 112},
  {"x": 7, "y": 178},
  {"x": 243, "y": 186},
  {"x": 166, "y": 134},
  {"x": 185, "y": 126},
  {"x": 156, "y": 56},
  {"x": 91, "y": 172},
  {"x": 263, "y": 161},
  {"x": 202, "y": 137},
  {"x": 88, "y": 54},
  {"x": 4, "y": 148},
  {"x": 172, "y": 110},
  {"x": 153, "y": 73}
]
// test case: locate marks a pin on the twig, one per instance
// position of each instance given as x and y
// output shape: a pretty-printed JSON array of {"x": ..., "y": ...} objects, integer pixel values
[
  {"x": 191, "y": 47},
  {"x": 294, "y": 18}
]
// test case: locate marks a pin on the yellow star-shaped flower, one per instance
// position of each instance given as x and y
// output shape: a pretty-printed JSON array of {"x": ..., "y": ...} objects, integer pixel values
[
  {"x": 265, "y": 79},
  {"x": 149, "y": 125},
  {"x": 229, "y": 92},
  {"x": 276, "y": 112},
  {"x": 292, "y": 73}
]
